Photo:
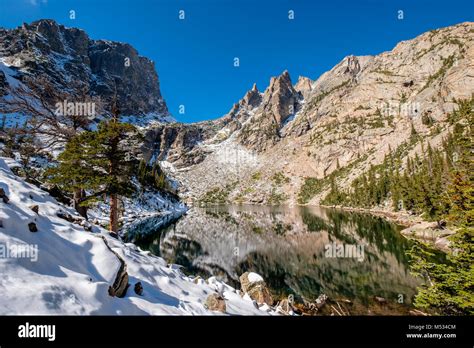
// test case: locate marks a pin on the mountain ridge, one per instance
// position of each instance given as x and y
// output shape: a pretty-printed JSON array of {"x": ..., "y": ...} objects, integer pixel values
[{"x": 351, "y": 115}]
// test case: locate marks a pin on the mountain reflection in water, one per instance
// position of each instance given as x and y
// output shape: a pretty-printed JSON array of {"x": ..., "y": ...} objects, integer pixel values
[{"x": 288, "y": 247}]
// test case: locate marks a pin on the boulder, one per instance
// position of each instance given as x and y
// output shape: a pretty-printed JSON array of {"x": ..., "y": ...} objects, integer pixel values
[
  {"x": 3, "y": 196},
  {"x": 254, "y": 285},
  {"x": 286, "y": 306},
  {"x": 65, "y": 216},
  {"x": 321, "y": 301},
  {"x": 215, "y": 302},
  {"x": 32, "y": 227},
  {"x": 138, "y": 289}
]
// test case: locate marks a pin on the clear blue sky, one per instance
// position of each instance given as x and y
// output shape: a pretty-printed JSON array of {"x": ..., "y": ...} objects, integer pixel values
[{"x": 194, "y": 57}]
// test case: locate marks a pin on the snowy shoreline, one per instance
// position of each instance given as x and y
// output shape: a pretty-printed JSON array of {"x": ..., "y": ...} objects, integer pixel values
[{"x": 74, "y": 268}]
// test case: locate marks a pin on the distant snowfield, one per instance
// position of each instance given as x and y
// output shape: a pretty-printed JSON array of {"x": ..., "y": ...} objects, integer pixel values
[{"x": 74, "y": 268}]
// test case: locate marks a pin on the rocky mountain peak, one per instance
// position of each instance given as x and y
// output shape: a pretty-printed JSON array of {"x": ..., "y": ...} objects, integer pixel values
[
  {"x": 304, "y": 85},
  {"x": 284, "y": 78},
  {"x": 280, "y": 98},
  {"x": 278, "y": 103},
  {"x": 252, "y": 98}
]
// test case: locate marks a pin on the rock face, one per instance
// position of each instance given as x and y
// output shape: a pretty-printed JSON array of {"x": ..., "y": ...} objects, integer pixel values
[
  {"x": 177, "y": 143},
  {"x": 68, "y": 54},
  {"x": 254, "y": 285},
  {"x": 241, "y": 111}
]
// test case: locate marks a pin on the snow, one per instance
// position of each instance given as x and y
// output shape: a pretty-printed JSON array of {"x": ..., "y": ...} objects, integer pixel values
[
  {"x": 145, "y": 211},
  {"x": 9, "y": 74},
  {"x": 254, "y": 277},
  {"x": 150, "y": 119},
  {"x": 74, "y": 268}
]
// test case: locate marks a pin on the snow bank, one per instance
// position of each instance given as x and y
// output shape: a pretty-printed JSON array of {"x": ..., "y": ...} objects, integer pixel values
[
  {"x": 74, "y": 268},
  {"x": 254, "y": 277}
]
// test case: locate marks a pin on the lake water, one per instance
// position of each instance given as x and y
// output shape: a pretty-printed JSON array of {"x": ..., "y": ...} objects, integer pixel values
[{"x": 299, "y": 251}]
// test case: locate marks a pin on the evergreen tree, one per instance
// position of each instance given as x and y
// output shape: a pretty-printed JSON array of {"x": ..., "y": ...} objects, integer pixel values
[
  {"x": 152, "y": 176},
  {"x": 100, "y": 162}
]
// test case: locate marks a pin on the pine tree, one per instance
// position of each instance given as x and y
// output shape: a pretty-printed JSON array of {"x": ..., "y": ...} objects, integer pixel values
[
  {"x": 100, "y": 162},
  {"x": 152, "y": 176}
]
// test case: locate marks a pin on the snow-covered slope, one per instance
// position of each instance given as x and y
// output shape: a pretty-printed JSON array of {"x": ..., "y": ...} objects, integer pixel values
[{"x": 64, "y": 269}]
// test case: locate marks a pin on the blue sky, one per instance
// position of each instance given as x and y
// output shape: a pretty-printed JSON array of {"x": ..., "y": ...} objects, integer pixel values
[{"x": 195, "y": 57}]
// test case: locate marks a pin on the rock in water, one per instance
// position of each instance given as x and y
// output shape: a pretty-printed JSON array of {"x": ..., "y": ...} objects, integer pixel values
[
  {"x": 286, "y": 306},
  {"x": 215, "y": 302},
  {"x": 254, "y": 285},
  {"x": 32, "y": 227},
  {"x": 138, "y": 289},
  {"x": 321, "y": 301}
]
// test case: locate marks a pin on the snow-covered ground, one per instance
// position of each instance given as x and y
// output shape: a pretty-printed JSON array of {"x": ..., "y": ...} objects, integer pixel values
[
  {"x": 63, "y": 269},
  {"x": 142, "y": 206}
]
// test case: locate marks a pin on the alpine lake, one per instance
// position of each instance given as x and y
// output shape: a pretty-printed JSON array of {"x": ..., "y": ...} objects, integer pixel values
[{"x": 356, "y": 259}]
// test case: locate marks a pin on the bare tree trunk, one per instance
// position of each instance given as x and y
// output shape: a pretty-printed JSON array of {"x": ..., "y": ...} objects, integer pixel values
[
  {"x": 113, "y": 213},
  {"x": 113, "y": 172},
  {"x": 78, "y": 196}
]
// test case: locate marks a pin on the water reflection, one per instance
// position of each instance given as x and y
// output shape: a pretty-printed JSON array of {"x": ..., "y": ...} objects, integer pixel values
[{"x": 288, "y": 246}]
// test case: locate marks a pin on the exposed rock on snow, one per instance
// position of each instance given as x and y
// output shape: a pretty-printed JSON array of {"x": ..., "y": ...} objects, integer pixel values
[
  {"x": 138, "y": 288},
  {"x": 254, "y": 285},
  {"x": 215, "y": 302},
  {"x": 3, "y": 196},
  {"x": 35, "y": 208},
  {"x": 32, "y": 227},
  {"x": 120, "y": 285}
]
